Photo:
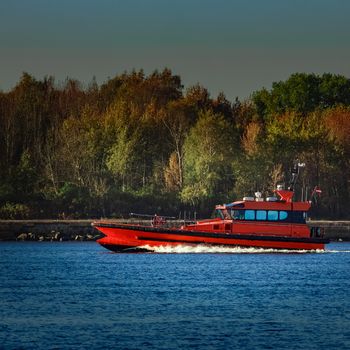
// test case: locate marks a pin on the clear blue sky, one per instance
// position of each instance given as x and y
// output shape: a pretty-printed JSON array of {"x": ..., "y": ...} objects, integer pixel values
[{"x": 234, "y": 46}]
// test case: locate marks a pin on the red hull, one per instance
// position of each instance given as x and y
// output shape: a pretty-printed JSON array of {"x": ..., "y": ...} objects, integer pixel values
[{"x": 120, "y": 237}]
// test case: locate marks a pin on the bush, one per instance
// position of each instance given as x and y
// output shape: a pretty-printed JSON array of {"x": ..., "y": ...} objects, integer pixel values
[{"x": 14, "y": 211}]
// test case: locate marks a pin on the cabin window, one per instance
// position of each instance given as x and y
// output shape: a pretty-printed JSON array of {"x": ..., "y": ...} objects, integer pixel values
[
  {"x": 261, "y": 214},
  {"x": 219, "y": 214},
  {"x": 272, "y": 215},
  {"x": 237, "y": 214},
  {"x": 283, "y": 215},
  {"x": 268, "y": 215},
  {"x": 249, "y": 215}
]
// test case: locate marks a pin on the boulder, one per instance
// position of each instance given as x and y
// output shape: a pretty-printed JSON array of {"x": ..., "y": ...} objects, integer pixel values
[
  {"x": 22, "y": 237},
  {"x": 31, "y": 236},
  {"x": 57, "y": 236}
]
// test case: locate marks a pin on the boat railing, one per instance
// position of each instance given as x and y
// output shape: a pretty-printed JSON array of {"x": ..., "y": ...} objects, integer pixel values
[
  {"x": 158, "y": 223},
  {"x": 159, "y": 220}
]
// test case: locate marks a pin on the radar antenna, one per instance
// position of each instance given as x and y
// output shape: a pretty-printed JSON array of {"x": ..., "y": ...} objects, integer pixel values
[{"x": 295, "y": 173}]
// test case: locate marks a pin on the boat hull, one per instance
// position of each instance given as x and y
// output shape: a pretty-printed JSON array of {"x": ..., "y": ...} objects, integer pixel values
[{"x": 129, "y": 238}]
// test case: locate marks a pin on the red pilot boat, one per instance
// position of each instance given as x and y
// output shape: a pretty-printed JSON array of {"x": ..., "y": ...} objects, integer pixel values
[{"x": 275, "y": 222}]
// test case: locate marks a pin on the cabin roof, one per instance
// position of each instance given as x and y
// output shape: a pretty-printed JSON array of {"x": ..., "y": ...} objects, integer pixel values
[{"x": 264, "y": 205}]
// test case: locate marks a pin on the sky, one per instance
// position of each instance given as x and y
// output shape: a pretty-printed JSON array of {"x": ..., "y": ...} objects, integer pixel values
[{"x": 230, "y": 46}]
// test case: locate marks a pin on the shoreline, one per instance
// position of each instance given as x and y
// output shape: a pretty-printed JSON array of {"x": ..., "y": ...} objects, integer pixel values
[{"x": 81, "y": 230}]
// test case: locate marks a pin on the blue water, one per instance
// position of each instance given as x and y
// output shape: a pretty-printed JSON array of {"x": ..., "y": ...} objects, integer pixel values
[{"x": 74, "y": 295}]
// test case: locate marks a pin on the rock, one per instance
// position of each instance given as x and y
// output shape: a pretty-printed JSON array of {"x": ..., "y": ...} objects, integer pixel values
[
  {"x": 22, "y": 237},
  {"x": 31, "y": 236},
  {"x": 41, "y": 238},
  {"x": 57, "y": 236}
]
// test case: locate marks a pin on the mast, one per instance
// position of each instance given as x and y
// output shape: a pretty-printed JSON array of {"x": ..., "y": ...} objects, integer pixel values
[{"x": 295, "y": 173}]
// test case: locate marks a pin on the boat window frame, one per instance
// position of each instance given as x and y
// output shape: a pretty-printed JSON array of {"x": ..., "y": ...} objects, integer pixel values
[
  {"x": 253, "y": 218},
  {"x": 293, "y": 217},
  {"x": 218, "y": 214},
  {"x": 284, "y": 218},
  {"x": 237, "y": 214},
  {"x": 271, "y": 216},
  {"x": 258, "y": 212}
]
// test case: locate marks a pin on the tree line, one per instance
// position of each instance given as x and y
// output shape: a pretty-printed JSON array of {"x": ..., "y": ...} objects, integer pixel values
[{"x": 144, "y": 143}]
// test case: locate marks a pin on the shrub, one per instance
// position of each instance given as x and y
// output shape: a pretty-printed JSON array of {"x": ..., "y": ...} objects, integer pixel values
[{"x": 14, "y": 211}]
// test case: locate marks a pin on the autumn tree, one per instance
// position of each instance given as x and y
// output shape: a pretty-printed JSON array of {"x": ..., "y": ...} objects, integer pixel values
[{"x": 140, "y": 139}]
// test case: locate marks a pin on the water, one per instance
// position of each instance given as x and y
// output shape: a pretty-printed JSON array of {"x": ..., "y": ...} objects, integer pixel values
[{"x": 74, "y": 295}]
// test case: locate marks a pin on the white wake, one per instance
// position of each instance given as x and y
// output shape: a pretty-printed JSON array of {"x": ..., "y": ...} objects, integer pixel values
[
  {"x": 337, "y": 251},
  {"x": 202, "y": 248}
]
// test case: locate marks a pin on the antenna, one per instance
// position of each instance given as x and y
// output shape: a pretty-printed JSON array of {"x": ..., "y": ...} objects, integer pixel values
[{"x": 295, "y": 173}]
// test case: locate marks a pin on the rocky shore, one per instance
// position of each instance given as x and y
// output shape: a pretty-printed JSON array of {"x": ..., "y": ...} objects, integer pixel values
[
  {"x": 81, "y": 230},
  {"x": 334, "y": 230},
  {"x": 56, "y": 236},
  {"x": 47, "y": 230}
]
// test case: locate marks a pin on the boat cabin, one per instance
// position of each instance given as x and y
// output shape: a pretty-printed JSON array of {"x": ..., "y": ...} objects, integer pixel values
[{"x": 273, "y": 216}]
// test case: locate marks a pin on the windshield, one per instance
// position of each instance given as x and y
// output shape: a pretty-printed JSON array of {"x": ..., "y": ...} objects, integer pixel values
[{"x": 222, "y": 214}]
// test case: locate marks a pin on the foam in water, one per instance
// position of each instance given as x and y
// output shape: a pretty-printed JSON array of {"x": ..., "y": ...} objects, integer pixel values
[
  {"x": 202, "y": 248},
  {"x": 338, "y": 251}
]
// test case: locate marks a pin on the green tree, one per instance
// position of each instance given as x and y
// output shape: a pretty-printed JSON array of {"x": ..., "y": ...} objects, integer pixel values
[
  {"x": 207, "y": 163},
  {"x": 25, "y": 176},
  {"x": 178, "y": 117},
  {"x": 82, "y": 153},
  {"x": 122, "y": 156},
  {"x": 303, "y": 93}
]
